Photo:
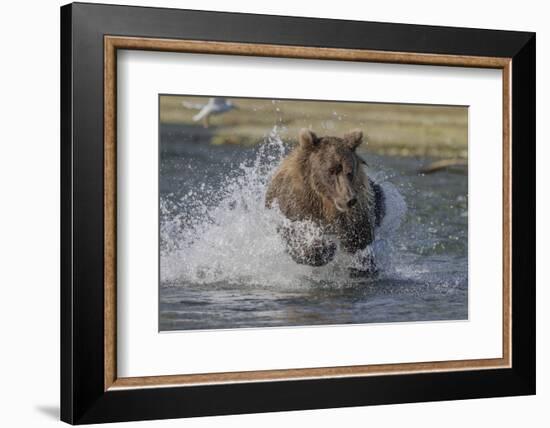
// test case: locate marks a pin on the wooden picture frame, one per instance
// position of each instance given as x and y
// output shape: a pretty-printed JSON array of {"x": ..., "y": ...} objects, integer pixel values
[{"x": 91, "y": 391}]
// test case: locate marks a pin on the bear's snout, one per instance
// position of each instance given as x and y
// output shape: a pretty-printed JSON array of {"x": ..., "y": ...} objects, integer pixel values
[
  {"x": 345, "y": 195},
  {"x": 352, "y": 202},
  {"x": 343, "y": 204}
]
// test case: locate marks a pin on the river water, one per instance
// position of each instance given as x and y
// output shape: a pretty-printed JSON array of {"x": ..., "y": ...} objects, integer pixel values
[{"x": 223, "y": 265}]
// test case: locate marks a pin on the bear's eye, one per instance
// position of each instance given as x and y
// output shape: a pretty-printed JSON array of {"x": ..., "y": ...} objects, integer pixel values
[{"x": 336, "y": 169}]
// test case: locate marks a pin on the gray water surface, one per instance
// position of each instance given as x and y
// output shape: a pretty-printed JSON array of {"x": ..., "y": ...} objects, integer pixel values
[{"x": 423, "y": 277}]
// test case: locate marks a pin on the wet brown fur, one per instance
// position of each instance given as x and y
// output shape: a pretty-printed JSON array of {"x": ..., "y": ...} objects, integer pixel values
[{"x": 318, "y": 174}]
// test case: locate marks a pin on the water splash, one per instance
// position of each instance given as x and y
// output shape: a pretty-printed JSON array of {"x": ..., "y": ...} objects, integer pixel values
[{"x": 223, "y": 234}]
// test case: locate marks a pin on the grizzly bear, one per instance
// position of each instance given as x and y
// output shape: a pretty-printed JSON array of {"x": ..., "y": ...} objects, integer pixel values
[{"x": 322, "y": 183}]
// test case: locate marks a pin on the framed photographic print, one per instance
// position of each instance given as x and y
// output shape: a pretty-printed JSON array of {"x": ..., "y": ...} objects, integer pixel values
[{"x": 265, "y": 213}]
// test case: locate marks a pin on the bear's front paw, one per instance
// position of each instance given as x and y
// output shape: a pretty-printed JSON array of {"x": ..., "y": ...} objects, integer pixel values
[
  {"x": 367, "y": 267},
  {"x": 321, "y": 255},
  {"x": 318, "y": 254},
  {"x": 363, "y": 273}
]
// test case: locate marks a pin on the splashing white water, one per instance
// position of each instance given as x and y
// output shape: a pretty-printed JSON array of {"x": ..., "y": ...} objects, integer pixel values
[{"x": 226, "y": 235}]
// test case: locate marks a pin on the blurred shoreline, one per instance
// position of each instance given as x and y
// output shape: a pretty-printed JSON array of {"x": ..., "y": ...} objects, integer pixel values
[{"x": 390, "y": 129}]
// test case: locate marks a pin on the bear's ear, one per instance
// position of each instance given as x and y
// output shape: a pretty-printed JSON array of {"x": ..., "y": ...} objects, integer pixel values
[
  {"x": 307, "y": 139},
  {"x": 353, "y": 139}
]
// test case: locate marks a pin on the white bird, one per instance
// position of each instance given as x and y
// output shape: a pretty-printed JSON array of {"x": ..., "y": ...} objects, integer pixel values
[{"x": 214, "y": 106}]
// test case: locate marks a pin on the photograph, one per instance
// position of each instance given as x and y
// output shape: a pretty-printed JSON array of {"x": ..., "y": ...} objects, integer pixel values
[{"x": 291, "y": 212}]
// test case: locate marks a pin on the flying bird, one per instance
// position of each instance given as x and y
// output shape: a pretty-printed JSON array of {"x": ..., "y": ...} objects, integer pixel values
[{"x": 214, "y": 106}]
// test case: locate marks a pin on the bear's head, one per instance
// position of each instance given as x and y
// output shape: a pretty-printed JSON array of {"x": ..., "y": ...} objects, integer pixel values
[{"x": 334, "y": 169}]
